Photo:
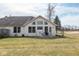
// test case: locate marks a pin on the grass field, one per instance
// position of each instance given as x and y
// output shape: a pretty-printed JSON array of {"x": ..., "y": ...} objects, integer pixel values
[{"x": 69, "y": 45}]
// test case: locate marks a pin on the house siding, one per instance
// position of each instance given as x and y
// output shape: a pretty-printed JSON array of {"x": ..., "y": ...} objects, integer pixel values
[
  {"x": 12, "y": 31},
  {"x": 53, "y": 30},
  {"x": 24, "y": 29}
]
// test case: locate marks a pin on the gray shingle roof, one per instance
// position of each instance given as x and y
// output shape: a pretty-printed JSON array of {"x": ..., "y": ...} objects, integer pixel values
[{"x": 15, "y": 20}]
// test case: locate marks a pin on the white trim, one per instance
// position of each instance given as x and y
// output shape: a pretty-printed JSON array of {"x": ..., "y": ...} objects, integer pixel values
[{"x": 36, "y": 19}]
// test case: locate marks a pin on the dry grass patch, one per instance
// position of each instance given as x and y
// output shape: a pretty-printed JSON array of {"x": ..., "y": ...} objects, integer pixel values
[{"x": 41, "y": 46}]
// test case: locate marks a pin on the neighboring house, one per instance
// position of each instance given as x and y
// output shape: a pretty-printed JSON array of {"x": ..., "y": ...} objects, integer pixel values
[{"x": 27, "y": 26}]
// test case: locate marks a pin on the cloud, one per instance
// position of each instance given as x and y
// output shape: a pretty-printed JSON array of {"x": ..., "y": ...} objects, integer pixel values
[
  {"x": 29, "y": 8},
  {"x": 14, "y": 9},
  {"x": 67, "y": 14},
  {"x": 70, "y": 20},
  {"x": 62, "y": 10}
]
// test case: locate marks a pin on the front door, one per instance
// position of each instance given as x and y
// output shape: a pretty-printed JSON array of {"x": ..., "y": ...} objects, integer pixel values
[{"x": 46, "y": 30}]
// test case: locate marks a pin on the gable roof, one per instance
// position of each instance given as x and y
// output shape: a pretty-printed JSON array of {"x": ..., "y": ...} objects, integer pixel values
[
  {"x": 19, "y": 20},
  {"x": 47, "y": 20},
  {"x": 42, "y": 18},
  {"x": 15, "y": 20}
]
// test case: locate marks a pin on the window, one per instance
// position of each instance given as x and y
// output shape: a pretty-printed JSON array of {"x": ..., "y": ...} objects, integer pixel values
[
  {"x": 17, "y": 29},
  {"x": 40, "y": 22},
  {"x": 31, "y": 30},
  {"x": 33, "y": 23},
  {"x": 49, "y": 29},
  {"x": 39, "y": 28},
  {"x": 46, "y": 23}
]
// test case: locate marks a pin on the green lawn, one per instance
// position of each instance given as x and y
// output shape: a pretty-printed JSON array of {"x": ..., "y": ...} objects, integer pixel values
[{"x": 41, "y": 46}]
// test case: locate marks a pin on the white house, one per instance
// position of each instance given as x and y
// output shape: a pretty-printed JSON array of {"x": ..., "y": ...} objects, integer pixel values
[{"x": 27, "y": 26}]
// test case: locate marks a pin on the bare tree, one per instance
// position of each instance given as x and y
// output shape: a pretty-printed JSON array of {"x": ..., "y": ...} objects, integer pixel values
[{"x": 51, "y": 11}]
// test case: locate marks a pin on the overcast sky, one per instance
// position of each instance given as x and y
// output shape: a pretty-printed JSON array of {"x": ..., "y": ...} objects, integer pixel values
[{"x": 67, "y": 12}]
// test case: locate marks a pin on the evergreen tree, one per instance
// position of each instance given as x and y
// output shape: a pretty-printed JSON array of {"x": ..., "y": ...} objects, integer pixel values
[{"x": 57, "y": 22}]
